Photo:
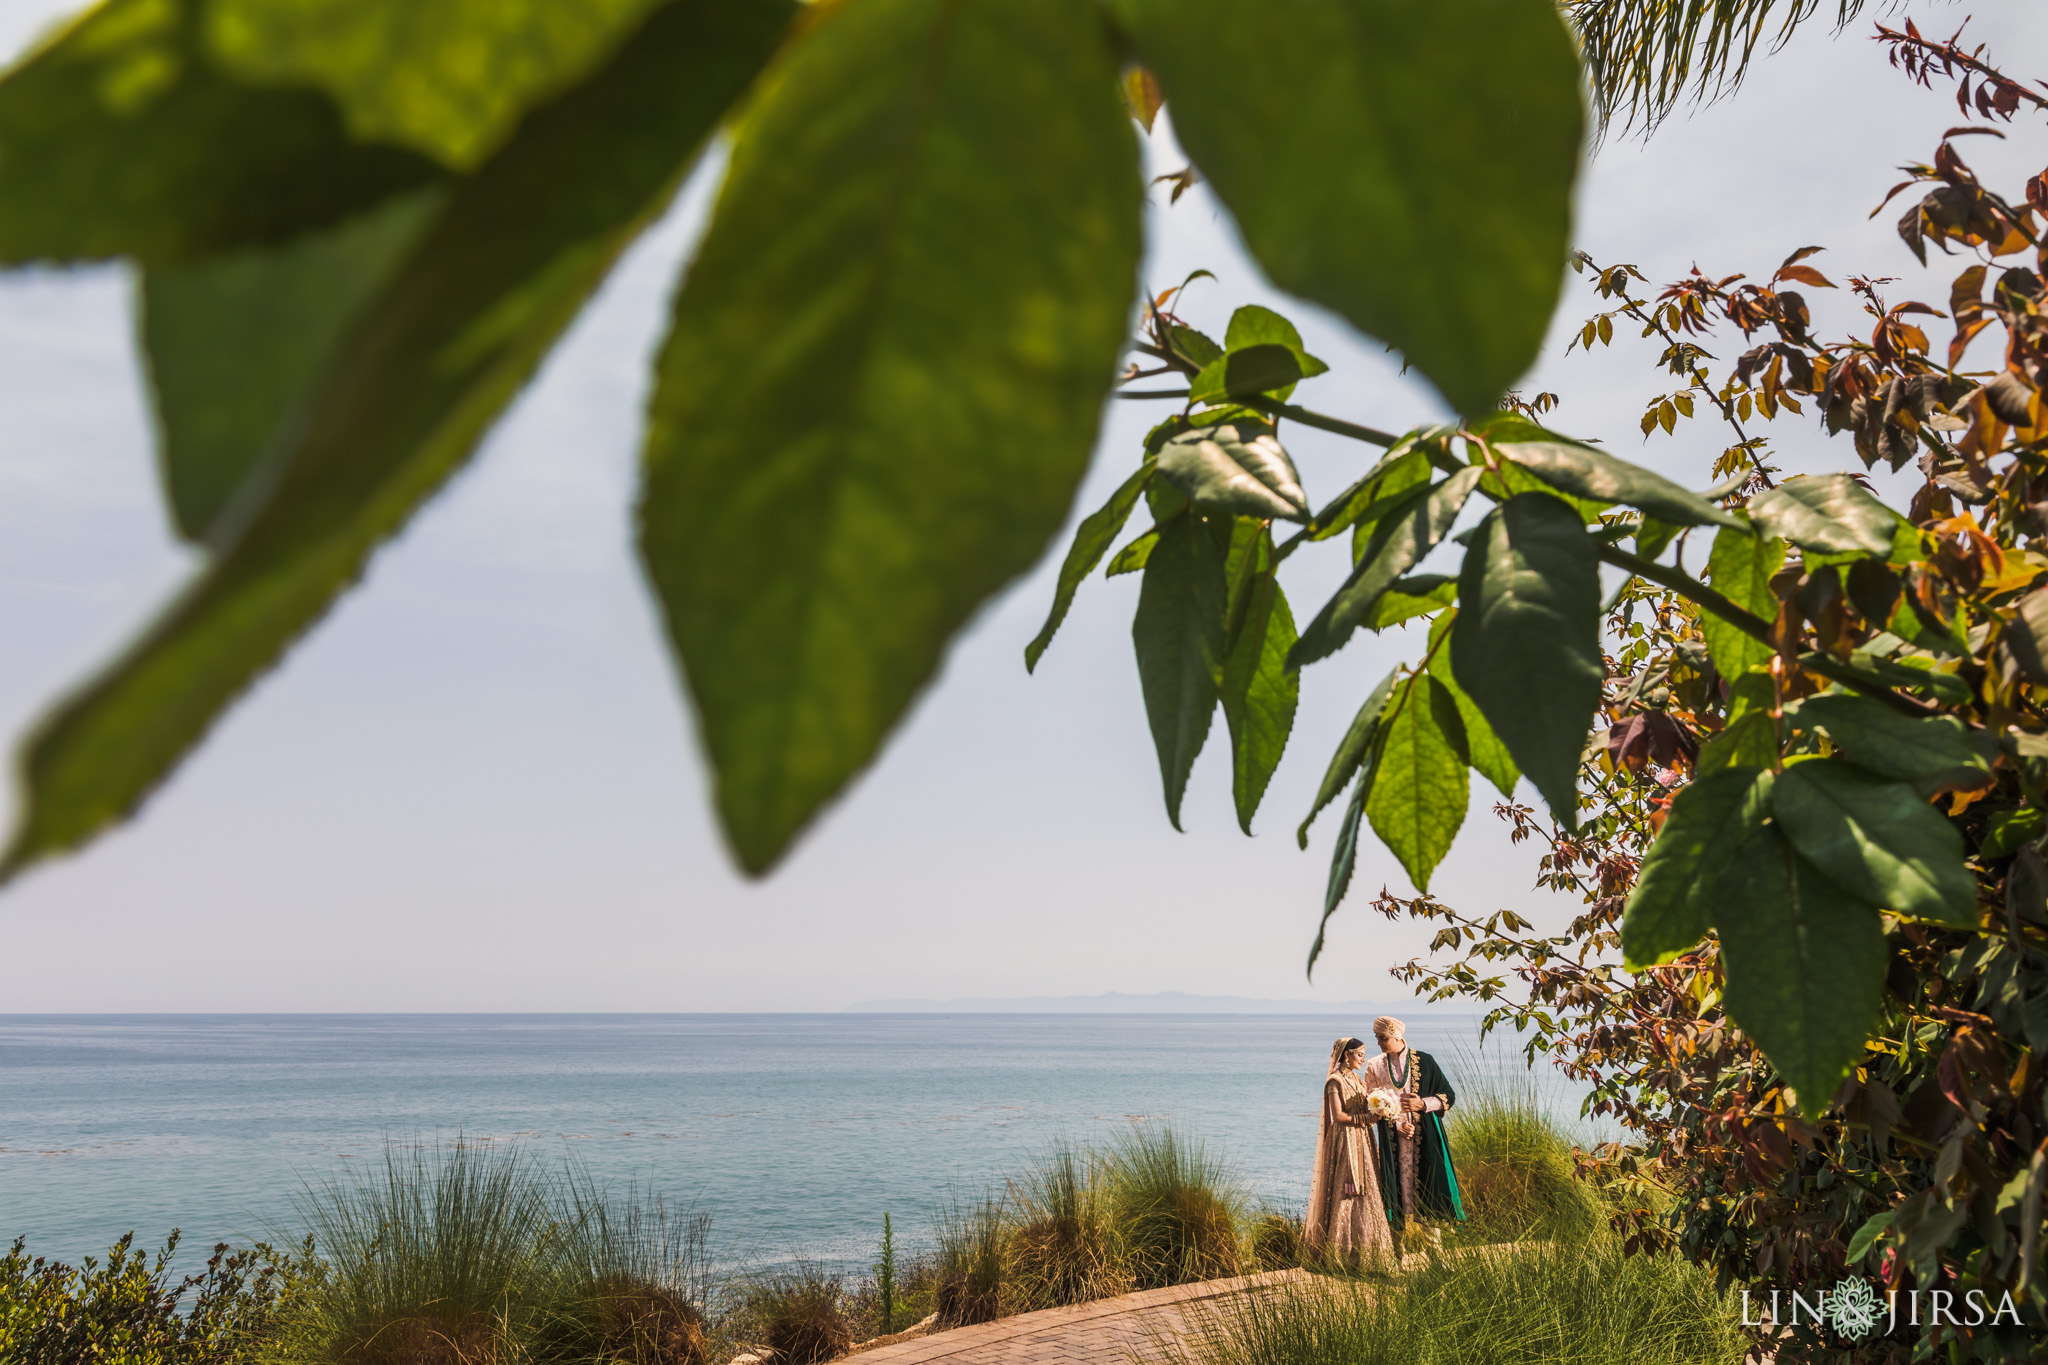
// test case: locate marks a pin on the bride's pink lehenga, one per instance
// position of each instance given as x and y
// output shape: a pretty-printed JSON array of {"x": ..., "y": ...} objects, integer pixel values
[{"x": 1350, "y": 1227}]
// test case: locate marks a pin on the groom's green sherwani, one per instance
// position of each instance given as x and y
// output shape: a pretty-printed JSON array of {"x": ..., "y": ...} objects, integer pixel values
[{"x": 1436, "y": 1182}]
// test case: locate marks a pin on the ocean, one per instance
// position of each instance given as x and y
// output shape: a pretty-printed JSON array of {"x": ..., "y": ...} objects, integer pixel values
[{"x": 795, "y": 1133}]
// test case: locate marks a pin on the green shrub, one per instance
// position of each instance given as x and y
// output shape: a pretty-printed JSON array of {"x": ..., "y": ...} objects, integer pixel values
[
  {"x": 1174, "y": 1207},
  {"x": 126, "y": 1311},
  {"x": 1062, "y": 1247},
  {"x": 797, "y": 1313},
  {"x": 968, "y": 1265},
  {"x": 1507, "y": 1305},
  {"x": 1515, "y": 1168}
]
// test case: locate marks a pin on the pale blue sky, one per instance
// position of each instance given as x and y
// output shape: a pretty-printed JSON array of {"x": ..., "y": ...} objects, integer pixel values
[{"x": 474, "y": 787}]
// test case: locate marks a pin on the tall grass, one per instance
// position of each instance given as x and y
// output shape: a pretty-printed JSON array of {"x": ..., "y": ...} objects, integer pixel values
[
  {"x": 1176, "y": 1208},
  {"x": 968, "y": 1262},
  {"x": 1062, "y": 1246},
  {"x": 1509, "y": 1305},
  {"x": 798, "y": 1314},
  {"x": 470, "y": 1255},
  {"x": 1515, "y": 1169}
]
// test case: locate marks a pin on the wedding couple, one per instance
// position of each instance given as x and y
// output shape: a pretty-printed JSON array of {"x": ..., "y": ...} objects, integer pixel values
[{"x": 1382, "y": 1162}]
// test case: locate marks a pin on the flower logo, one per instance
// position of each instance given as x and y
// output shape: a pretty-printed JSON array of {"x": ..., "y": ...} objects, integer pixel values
[{"x": 1853, "y": 1308}]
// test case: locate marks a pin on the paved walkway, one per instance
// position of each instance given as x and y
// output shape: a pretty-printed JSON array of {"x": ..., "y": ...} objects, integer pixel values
[{"x": 1107, "y": 1330}]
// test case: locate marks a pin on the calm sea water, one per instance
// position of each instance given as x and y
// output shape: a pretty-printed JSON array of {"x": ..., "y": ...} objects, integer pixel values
[{"x": 794, "y": 1132}]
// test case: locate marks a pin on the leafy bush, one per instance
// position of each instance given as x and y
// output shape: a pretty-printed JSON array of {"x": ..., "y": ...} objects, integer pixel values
[
  {"x": 1175, "y": 1207},
  {"x": 1511, "y": 1305},
  {"x": 126, "y": 1311}
]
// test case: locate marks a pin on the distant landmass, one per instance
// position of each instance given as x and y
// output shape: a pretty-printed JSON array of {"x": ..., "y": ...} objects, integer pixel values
[{"x": 1161, "y": 1002}]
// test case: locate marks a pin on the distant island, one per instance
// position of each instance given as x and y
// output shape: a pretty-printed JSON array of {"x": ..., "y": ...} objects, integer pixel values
[{"x": 1160, "y": 1002}]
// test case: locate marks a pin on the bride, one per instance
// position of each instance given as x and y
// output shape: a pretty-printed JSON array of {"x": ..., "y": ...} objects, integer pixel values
[{"x": 1346, "y": 1219}]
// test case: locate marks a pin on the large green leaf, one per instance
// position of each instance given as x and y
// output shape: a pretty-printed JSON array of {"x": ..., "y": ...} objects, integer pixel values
[
  {"x": 232, "y": 342},
  {"x": 1740, "y": 567},
  {"x": 1526, "y": 644},
  {"x": 1399, "y": 541},
  {"x": 1828, "y": 513},
  {"x": 1880, "y": 840},
  {"x": 1235, "y": 467},
  {"x": 1804, "y": 963},
  {"x": 1343, "y": 862},
  {"x": 447, "y": 77},
  {"x": 1420, "y": 785},
  {"x": 1259, "y": 694},
  {"x": 449, "y": 341},
  {"x": 1407, "y": 162},
  {"x": 1407, "y": 598},
  {"x": 1596, "y": 476},
  {"x": 1488, "y": 756},
  {"x": 118, "y": 137},
  {"x": 1179, "y": 636},
  {"x": 884, "y": 376},
  {"x": 1908, "y": 748},
  {"x": 1383, "y": 487},
  {"x": 1352, "y": 750},
  {"x": 1751, "y": 737},
  {"x": 1092, "y": 540},
  {"x": 1711, "y": 822}
]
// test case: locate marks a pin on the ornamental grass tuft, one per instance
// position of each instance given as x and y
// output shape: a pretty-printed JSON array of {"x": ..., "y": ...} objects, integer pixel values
[
  {"x": 1175, "y": 1208},
  {"x": 1515, "y": 1168},
  {"x": 798, "y": 1314},
  {"x": 1062, "y": 1245},
  {"x": 1516, "y": 1304}
]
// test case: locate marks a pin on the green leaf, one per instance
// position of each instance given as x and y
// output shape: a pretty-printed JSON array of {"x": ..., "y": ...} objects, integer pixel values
[
  {"x": 1488, "y": 756},
  {"x": 1256, "y": 370},
  {"x": 1408, "y": 165},
  {"x": 1712, "y": 821},
  {"x": 1653, "y": 537},
  {"x": 1259, "y": 695},
  {"x": 884, "y": 377},
  {"x": 1238, "y": 468},
  {"x": 1881, "y": 741},
  {"x": 1829, "y": 513},
  {"x": 1352, "y": 750},
  {"x": 1740, "y": 567},
  {"x": 1400, "y": 540},
  {"x": 1749, "y": 742},
  {"x": 1132, "y": 557},
  {"x": 1178, "y": 632},
  {"x": 1526, "y": 644},
  {"x": 2026, "y": 639},
  {"x": 1193, "y": 345},
  {"x": 1866, "y": 1236},
  {"x": 2007, "y": 831},
  {"x": 450, "y": 78},
  {"x": 1864, "y": 666},
  {"x": 1091, "y": 539},
  {"x": 1420, "y": 783},
  {"x": 1253, "y": 325},
  {"x": 1343, "y": 860},
  {"x": 1385, "y": 485},
  {"x": 232, "y": 341},
  {"x": 1407, "y": 598},
  {"x": 460, "y": 327},
  {"x": 1805, "y": 966},
  {"x": 119, "y": 137},
  {"x": 1596, "y": 476},
  {"x": 1879, "y": 840}
]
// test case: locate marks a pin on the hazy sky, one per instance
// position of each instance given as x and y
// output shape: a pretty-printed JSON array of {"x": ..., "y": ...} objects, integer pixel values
[{"x": 475, "y": 787}]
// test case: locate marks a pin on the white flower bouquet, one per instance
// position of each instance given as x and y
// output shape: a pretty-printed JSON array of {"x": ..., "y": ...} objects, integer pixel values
[{"x": 1384, "y": 1104}]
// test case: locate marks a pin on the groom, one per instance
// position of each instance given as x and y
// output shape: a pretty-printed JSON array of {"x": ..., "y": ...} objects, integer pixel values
[{"x": 1416, "y": 1178}]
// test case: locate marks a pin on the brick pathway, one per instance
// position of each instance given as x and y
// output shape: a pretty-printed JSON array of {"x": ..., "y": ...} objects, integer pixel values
[{"x": 1107, "y": 1330}]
